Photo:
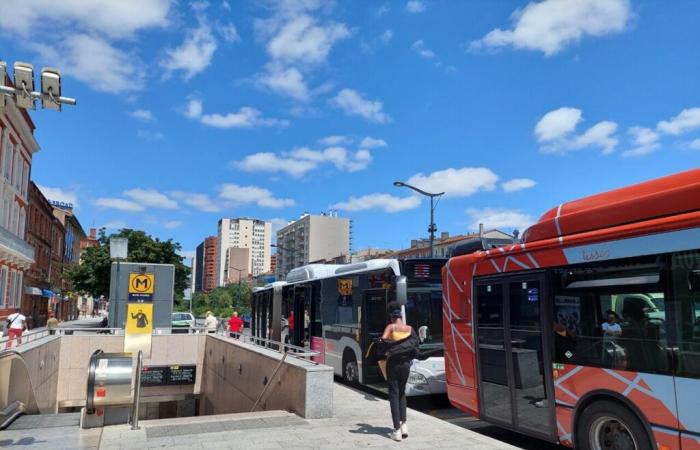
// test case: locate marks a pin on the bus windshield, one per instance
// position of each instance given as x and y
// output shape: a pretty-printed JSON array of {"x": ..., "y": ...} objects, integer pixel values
[{"x": 424, "y": 309}]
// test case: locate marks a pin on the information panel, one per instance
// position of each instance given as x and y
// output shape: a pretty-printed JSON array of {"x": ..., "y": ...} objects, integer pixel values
[{"x": 168, "y": 375}]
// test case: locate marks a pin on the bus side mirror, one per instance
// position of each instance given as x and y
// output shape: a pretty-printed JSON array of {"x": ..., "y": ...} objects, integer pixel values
[
  {"x": 401, "y": 289},
  {"x": 694, "y": 280}
]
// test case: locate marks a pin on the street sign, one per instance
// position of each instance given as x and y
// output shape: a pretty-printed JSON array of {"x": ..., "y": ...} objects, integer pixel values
[
  {"x": 139, "y": 327},
  {"x": 141, "y": 286}
]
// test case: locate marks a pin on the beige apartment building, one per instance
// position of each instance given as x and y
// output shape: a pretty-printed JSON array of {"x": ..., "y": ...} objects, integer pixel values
[
  {"x": 252, "y": 234},
  {"x": 322, "y": 238}
]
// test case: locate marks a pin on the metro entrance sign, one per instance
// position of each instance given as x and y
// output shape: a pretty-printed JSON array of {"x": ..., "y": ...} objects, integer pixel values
[{"x": 141, "y": 286}]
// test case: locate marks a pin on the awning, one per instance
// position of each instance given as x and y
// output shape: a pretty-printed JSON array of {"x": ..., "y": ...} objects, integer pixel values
[
  {"x": 47, "y": 293},
  {"x": 31, "y": 290}
]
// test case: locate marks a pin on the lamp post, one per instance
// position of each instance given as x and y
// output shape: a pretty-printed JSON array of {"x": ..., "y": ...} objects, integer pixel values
[
  {"x": 432, "y": 228},
  {"x": 118, "y": 249}
]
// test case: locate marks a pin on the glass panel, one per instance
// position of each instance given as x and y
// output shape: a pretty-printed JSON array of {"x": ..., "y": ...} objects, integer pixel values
[
  {"x": 617, "y": 326},
  {"x": 376, "y": 316},
  {"x": 492, "y": 358},
  {"x": 424, "y": 309},
  {"x": 686, "y": 289},
  {"x": 532, "y": 409}
]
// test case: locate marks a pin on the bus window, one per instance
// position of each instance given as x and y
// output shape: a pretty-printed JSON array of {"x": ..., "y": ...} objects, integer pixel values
[
  {"x": 424, "y": 314},
  {"x": 611, "y": 316},
  {"x": 686, "y": 289}
]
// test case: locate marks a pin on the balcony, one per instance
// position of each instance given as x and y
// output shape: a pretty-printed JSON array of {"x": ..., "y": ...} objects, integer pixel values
[{"x": 15, "y": 250}]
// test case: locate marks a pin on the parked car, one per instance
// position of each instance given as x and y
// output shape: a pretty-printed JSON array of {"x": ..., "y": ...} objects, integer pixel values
[{"x": 181, "y": 322}]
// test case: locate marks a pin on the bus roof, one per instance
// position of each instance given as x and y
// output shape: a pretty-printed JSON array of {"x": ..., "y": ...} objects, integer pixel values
[
  {"x": 316, "y": 271},
  {"x": 673, "y": 194}
]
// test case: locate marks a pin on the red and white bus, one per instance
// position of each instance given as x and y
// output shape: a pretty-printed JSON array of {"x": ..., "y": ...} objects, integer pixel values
[{"x": 524, "y": 341}]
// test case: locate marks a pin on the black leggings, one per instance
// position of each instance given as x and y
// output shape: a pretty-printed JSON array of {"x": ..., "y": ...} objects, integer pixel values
[{"x": 397, "y": 376}]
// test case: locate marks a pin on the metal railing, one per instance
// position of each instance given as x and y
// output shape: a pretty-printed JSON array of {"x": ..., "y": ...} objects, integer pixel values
[{"x": 284, "y": 348}]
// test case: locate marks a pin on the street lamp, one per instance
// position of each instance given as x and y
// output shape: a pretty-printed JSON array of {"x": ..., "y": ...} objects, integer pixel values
[
  {"x": 432, "y": 228},
  {"x": 118, "y": 249},
  {"x": 23, "y": 92}
]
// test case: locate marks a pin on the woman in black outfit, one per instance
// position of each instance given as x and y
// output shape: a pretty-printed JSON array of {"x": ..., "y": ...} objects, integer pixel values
[{"x": 400, "y": 347}]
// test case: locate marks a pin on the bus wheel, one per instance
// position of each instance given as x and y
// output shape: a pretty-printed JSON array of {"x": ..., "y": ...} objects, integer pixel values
[
  {"x": 607, "y": 425},
  {"x": 350, "y": 370}
]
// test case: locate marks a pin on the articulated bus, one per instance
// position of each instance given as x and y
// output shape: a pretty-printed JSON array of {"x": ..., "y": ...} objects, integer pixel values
[
  {"x": 338, "y": 310},
  {"x": 526, "y": 347}
]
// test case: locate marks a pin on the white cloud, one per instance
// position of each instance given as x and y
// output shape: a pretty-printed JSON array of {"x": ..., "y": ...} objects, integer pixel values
[
  {"x": 150, "y": 135},
  {"x": 557, "y": 124},
  {"x": 499, "y": 218},
  {"x": 461, "y": 182},
  {"x": 334, "y": 140},
  {"x": 382, "y": 39},
  {"x": 142, "y": 114},
  {"x": 287, "y": 81},
  {"x": 115, "y": 225},
  {"x": 550, "y": 26},
  {"x": 115, "y": 18},
  {"x": 352, "y": 103},
  {"x": 172, "y": 224},
  {"x": 277, "y": 224},
  {"x": 95, "y": 62},
  {"x": 687, "y": 120},
  {"x": 119, "y": 203},
  {"x": 59, "y": 194},
  {"x": 187, "y": 254},
  {"x": 229, "y": 33},
  {"x": 262, "y": 197},
  {"x": 385, "y": 202},
  {"x": 369, "y": 143},
  {"x": 198, "y": 201},
  {"x": 695, "y": 145},
  {"x": 300, "y": 39},
  {"x": 555, "y": 132},
  {"x": 415, "y": 6},
  {"x": 193, "y": 55},
  {"x": 245, "y": 117},
  {"x": 271, "y": 162},
  {"x": 518, "y": 184},
  {"x": 420, "y": 48},
  {"x": 150, "y": 197},
  {"x": 645, "y": 141}
]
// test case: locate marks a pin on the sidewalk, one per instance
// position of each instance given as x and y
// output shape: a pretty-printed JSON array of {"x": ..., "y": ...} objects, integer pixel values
[{"x": 360, "y": 420}]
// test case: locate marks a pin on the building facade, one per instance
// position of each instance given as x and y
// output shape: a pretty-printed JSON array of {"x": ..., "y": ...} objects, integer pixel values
[
  {"x": 45, "y": 235},
  {"x": 443, "y": 246},
  {"x": 253, "y": 234},
  {"x": 204, "y": 267},
  {"x": 237, "y": 264},
  {"x": 70, "y": 305},
  {"x": 323, "y": 238},
  {"x": 17, "y": 147}
]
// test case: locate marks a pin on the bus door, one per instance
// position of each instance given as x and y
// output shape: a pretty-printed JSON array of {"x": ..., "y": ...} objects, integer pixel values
[
  {"x": 374, "y": 320},
  {"x": 514, "y": 356}
]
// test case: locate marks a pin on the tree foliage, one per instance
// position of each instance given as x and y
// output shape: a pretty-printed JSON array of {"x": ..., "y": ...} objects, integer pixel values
[
  {"x": 93, "y": 273},
  {"x": 222, "y": 301}
]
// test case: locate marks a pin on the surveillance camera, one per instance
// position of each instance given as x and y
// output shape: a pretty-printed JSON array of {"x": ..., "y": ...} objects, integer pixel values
[
  {"x": 50, "y": 88},
  {"x": 24, "y": 85}
]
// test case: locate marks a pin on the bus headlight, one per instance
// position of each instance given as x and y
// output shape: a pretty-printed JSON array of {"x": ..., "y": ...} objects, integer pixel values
[{"x": 416, "y": 379}]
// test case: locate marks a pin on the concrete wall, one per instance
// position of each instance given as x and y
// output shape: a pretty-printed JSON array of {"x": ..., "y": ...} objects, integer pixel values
[
  {"x": 235, "y": 374},
  {"x": 75, "y": 354},
  {"x": 42, "y": 360}
]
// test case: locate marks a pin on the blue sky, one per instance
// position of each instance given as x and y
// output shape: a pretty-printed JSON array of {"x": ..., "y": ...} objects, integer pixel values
[{"x": 192, "y": 111}]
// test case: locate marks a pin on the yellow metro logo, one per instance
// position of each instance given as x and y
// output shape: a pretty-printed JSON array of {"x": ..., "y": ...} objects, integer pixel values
[{"x": 141, "y": 283}]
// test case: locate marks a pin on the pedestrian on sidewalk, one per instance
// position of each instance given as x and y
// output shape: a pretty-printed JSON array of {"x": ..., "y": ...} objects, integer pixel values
[
  {"x": 52, "y": 324},
  {"x": 235, "y": 325},
  {"x": 399, "y": 346},
  {"x": 210, "y": 323},
  {"x": 16, "y": 324}
]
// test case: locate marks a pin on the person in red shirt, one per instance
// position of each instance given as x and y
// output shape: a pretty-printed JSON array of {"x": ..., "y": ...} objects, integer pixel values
[{"x": 235, "y": 324}]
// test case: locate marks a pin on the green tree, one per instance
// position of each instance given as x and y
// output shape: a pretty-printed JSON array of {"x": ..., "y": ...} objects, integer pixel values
[
  {"x": 92, "y": 275},
  {"x": 222, "y": 301}
]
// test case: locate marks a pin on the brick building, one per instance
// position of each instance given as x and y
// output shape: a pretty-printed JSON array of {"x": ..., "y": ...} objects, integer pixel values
[
  {"x": 45, "y": 235},
  {"x": 17, "y": 146},
  {"x": 205, "y": 266}
]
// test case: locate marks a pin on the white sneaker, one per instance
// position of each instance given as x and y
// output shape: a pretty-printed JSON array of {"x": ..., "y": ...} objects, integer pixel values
[
  {"x": 404, "y": 430},
  {"x": 396, "y": 435}
]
